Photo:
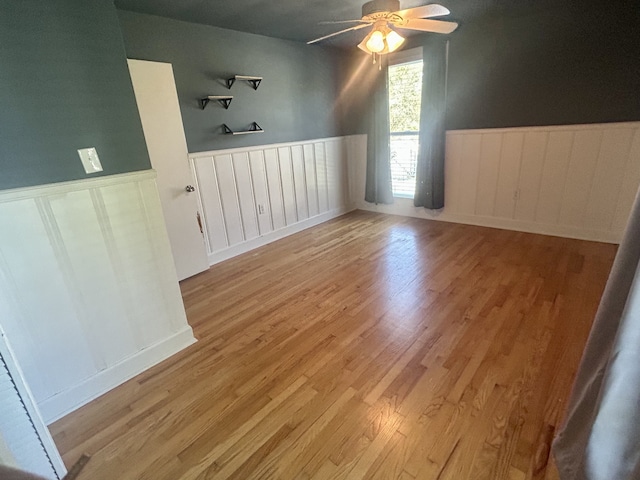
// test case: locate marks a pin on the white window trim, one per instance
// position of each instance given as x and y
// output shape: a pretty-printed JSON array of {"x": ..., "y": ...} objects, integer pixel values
[{"x": 413, "y": 55}]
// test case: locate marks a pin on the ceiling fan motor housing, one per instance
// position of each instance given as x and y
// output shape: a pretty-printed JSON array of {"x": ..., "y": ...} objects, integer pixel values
[{"x": 370, "y": 9}]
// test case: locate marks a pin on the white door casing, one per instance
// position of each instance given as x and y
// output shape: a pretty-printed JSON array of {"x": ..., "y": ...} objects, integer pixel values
[
  {"x": 157, "y": 99},
  {"x": 26, "y": 441}
]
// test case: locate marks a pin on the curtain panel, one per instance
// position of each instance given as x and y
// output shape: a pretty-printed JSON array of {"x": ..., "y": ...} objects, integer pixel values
[
  {"x": 600, "y": 438},
  {"x": 430, "y": 168},
  {"x": 378, "y": 180}
]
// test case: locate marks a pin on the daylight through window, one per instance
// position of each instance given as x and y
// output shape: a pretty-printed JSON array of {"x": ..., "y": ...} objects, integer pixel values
[{"x": 405, "y": 91}]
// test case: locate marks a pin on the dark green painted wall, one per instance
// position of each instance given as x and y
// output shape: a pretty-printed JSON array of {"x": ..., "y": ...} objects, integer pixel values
[
  {"x": 64, "y": 85},
  {"x": 296, "y": 100},
  {"x": 560, "y": 66},
  {"x": 552, "y": 67}
]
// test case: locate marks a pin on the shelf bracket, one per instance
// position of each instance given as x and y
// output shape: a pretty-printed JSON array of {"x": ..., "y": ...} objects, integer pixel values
[
  {"x": 253, "y": 128},
  {"x": 253, "y": 81},
  {"x": 224, "y": 100}
]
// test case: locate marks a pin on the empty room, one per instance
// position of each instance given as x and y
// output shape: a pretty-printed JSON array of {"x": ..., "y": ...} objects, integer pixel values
[{"x": 333, "y": 239}]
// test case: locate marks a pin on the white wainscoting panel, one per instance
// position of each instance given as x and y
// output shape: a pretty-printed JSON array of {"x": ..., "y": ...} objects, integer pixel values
[
  {"x": 88, "y": 287},
  {"x": 255, "y": 195},
  {"x": 575, "y": 181}
]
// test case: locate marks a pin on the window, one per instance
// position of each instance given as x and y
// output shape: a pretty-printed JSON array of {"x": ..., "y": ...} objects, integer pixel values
[{"x": 405, "y": 92}]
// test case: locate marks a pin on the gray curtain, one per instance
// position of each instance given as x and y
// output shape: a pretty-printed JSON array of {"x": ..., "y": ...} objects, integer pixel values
[
  {"x": 378, "y": 184},
  {"x": 600, "y": 439},
  {"x": 430, "y": 169}
]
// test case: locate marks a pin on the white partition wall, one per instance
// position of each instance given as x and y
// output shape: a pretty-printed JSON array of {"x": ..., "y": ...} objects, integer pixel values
[
  {"x": 255, "y": 195},
  {"x": 88, "y": 291},
  {"x": 575, "y": 181}
]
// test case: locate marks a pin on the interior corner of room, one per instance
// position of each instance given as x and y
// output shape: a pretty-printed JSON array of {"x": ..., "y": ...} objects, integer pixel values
[{"x": 217, "y": 139}]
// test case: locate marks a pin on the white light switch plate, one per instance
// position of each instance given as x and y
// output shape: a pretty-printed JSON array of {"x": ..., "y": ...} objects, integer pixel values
[{"x": 90, "y": 160}]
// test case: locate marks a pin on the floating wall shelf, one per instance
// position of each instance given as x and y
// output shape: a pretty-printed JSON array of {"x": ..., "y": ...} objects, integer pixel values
[
  {"x": 253, "y": 81},
  {"x": 224, "y": 100},
  {"x": 253, "y": 128}
]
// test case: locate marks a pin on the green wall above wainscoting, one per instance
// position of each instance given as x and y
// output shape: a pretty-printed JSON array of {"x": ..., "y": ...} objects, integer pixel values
[
  {"x": 295, "y": 101},
  {"x": 574, "y": 63},
  {"x": 64, "y": 85}
]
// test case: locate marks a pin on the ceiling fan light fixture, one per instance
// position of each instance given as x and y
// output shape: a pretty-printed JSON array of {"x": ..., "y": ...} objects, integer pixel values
[
  {"x": 381, "y": 40},
  {"x": 375, "y": 41},
  {"x": 384, "y": 14},
  {"x": 394, "y": 40}
]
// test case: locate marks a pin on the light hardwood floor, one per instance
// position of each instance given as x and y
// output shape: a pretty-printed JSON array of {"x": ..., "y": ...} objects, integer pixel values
[{"x": 370, "y": 346}]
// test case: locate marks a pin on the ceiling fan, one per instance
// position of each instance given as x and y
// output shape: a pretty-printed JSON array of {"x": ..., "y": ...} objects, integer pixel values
[{"x": 382, "y": 15}]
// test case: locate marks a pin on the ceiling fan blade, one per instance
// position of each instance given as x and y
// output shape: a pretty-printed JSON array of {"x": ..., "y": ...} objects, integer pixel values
[
  {"x": 357, "y": 27},
  {"x": 424, "y": 25},
  {"x": 333, "y": 22},
  {"x": 425, "y": 11}
]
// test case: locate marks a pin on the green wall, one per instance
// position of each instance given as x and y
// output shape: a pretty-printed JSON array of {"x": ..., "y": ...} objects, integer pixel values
[
  {"x": 64, "y": 85},
  {"x": 568, "y": 65},
  {"x": 296, "y": 100}
]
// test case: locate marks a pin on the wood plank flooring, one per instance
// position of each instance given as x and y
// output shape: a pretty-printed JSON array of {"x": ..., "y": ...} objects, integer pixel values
[{"x": 371, "y": 346}]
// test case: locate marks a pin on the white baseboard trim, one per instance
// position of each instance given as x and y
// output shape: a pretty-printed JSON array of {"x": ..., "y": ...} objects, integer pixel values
[
  {"x": 254, "y": 243},
  {"x": 73, "y": 398},
  {"x": 532, "y": 227},
  {"x": 494, "y": 222}
]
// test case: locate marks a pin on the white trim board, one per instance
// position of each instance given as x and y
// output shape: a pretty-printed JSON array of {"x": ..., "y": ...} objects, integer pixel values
[
  {"x": 74, "y": 185},
  {"x": 78, "y": 395},
  {"x": 546, "y": 128},
  {"x": 228, "y": 151},
  {"x": 404, "y": 207}
]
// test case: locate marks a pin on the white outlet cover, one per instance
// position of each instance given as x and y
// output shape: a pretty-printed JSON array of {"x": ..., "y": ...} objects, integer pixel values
[{"x": 90, "y": 160}]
